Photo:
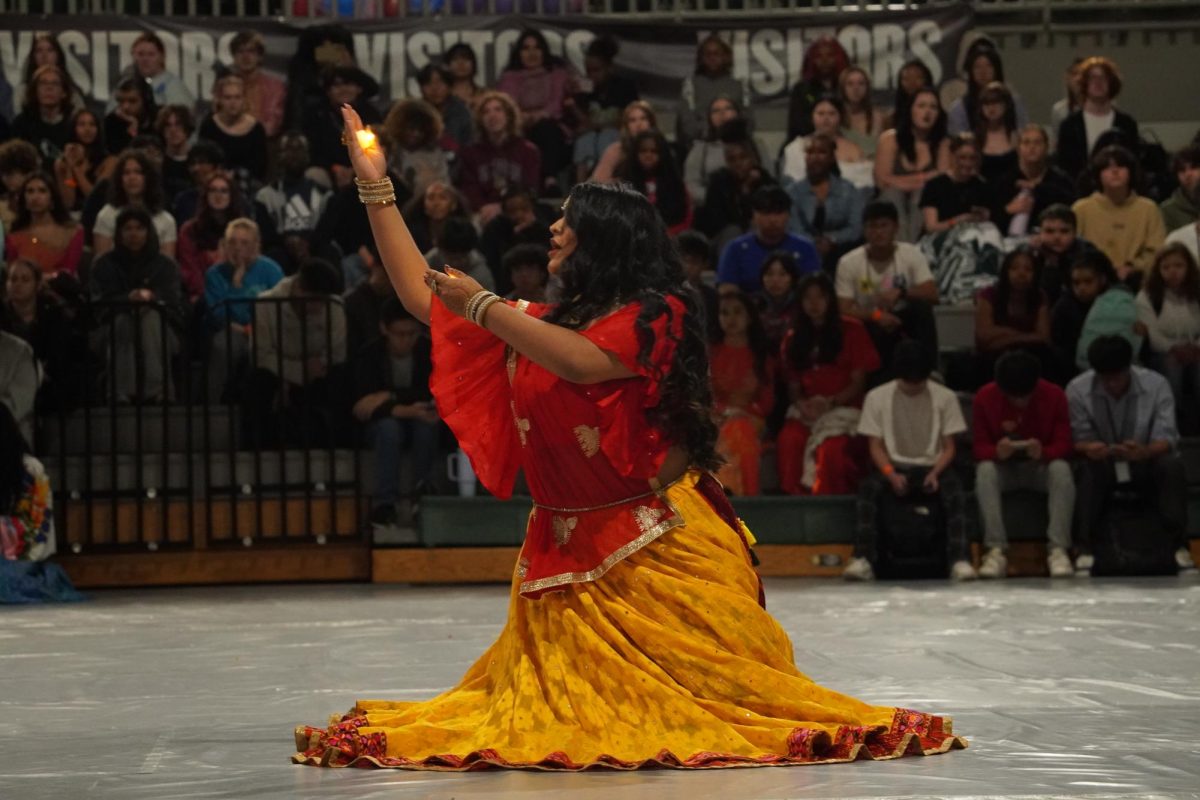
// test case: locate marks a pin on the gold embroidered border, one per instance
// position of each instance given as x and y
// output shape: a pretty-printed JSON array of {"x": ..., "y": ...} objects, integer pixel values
[
  {"x": 613, "y": 558},
  {"x": 613, "y": 504}
]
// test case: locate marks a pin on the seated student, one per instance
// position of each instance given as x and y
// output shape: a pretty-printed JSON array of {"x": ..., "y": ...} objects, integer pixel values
[
  {"x": 243, "y": 274},
  {"x": 298, "y": 341},
  {"x": 415, "y": 129},
  {"x": 527, "y": 267},
  {"x": 1013, "y": 314},
  {"x": 204, "y": 159},
  {"x": 601, "y": 107},
  {"x": 1022, "y": 440},
  {"x": 499, "y": 159},
  {"x": 1097, "y": 84},
  {"x": 706, "y": 155},
  {"x": 888, "y": 285},
  {"x": 910, "y": 424},
  {"x": 31, "y": 312},
  {"x": 1128, "y": 228},
  {"x": 696, "y": 256},
  {"x": 1169, "y": 306},
  {"x": 293, "y": 202},
  {"x": 1123, "y": 424},
  {"x": 136, "y": 271},
  {"x": 826, "y": 207},
  {"x": 135, "y": 184},
  {"x": 1058, "y": 247},
  {"x": 728, "y": 195},
  {"x": 1182, "y": 208},
  {"x": 777, "y": 301},
  {"x": 1091, "y": 275},
  {"x": 741, "y": 261},
  {"x": 392, "y": 398},
  {"x": 434, "y": 81},
  {"x": 1033, "y": 186},
  {"x": 743, "y": 384},
  {"x": 826, "y": 360},
  {"x": 522, "y": 220},
  {"x": 426, "y": 213},
  {"x": 653, "y": 172},
  {"x": 459, "y": 249},
  {"x": 959, "y": 194},
  {"x": 1112, "y": 313}
]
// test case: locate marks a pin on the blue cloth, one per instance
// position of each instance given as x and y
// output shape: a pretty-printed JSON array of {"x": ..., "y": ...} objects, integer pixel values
[
  {"x": 390, "y": 437},
  {"x": 263, "y": 274},
  {"x": 1145, "y": 413},
  {"x": 843, "y": 210},
  {"x": 27, "y": 582},
  {"x": 742, "y": 260}
]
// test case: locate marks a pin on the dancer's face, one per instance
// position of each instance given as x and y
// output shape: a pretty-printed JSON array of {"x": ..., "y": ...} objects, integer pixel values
[{"x": 562, "y": 243}]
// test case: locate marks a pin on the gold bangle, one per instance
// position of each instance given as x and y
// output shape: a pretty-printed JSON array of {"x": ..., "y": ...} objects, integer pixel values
[
  {"x": 484, "y": 307},
  {"x": 376, "y": 193},
  {"x": 473, "y": 304}
]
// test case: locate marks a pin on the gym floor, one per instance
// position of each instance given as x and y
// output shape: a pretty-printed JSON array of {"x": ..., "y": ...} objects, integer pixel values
[{"x": 1075, "y": 688}]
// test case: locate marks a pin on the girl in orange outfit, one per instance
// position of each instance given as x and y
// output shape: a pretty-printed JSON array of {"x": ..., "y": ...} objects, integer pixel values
[
  {"x": 743, "y": 382},
  {"x": 636, "y": 635},
  {"x": 826, "y": 359}
]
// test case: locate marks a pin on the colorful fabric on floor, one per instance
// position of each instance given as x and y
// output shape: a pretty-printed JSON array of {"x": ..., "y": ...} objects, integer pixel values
[{"x": 667, "y": 660}]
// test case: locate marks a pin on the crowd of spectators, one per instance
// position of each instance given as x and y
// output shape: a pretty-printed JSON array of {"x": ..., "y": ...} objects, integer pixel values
[{"x": 161, "y": 228}]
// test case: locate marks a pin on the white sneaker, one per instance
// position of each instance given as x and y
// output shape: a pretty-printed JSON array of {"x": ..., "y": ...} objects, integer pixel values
[
  {"x": 1083, "y": 565},
  {"x": 995, "y": 564},
  {"x": 1060, "y": 563},
  {"x": 859, "y": 569},
  {"x": 962, "y": 571},
  {"x": 1183, "y": 559}
]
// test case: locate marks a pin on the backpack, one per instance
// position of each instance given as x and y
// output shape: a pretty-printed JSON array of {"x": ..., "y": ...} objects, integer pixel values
[
  {"x": 1133, "y": 539},
  {"x": 912, "y": 536}
]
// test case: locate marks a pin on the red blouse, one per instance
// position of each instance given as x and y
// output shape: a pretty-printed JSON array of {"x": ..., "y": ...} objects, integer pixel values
[
  {"x": 588, "y": 451},
  {"x": 826, "y": 380}
]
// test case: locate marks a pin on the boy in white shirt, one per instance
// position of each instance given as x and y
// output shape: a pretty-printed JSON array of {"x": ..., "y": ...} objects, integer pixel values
[
  {"x": 889, "y": 286},
  {"x": 911, "y": 423}
]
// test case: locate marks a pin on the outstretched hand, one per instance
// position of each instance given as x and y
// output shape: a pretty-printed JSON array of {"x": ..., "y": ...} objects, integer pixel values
[
  {"x": 455, "y": 288},
  {"x": 370, "y": 164}
]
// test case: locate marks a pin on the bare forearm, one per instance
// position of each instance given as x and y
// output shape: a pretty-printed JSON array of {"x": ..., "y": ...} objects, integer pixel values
[
  {"x": 401, "y": 258},
  {"x": 945, "y": 459}
]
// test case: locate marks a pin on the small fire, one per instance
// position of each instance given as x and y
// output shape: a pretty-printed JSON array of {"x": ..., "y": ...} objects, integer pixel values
[{"x": 366, "y": 139}]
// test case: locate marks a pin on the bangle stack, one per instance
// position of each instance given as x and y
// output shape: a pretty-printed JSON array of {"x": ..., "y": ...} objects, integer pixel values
[
  {"x": 478, "y": 305},
  {"x": 376, "y": 193}
]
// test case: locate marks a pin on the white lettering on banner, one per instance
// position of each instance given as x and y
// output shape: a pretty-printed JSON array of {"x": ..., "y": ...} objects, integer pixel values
[
  {"x": 13, "y": 54},
  {"x": 767, "y": 46},
  {"x": 198, "y": 56},
  {"x": 921, "y": 38},
  {"x": 768, "y": 57}
]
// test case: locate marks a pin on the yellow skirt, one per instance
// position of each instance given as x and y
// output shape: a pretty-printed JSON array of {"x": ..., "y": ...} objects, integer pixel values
[{"x": 667, "y": 660}]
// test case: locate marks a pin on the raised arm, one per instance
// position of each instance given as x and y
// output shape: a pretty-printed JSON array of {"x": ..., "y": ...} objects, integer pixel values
[{"x": 401, "y": 258}]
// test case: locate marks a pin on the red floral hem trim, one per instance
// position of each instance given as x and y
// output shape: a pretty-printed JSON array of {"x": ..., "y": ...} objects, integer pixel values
[{"x": 911, "y": 733}]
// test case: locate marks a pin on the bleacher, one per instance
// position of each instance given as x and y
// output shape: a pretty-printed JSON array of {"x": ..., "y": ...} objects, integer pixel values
[{"x": 157, "y": 494}]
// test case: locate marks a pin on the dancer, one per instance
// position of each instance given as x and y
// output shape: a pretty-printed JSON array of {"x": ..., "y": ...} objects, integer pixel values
[{"x": 636, "y": 634}]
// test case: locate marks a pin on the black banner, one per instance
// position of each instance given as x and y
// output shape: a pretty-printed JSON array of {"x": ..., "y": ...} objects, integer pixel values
[{"x": 768, "y": 51}]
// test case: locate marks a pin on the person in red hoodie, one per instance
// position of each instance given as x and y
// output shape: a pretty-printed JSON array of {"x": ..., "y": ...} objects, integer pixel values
[
  {"x": 1022, "y": 441},
  {"x": 500, "y": 159}
]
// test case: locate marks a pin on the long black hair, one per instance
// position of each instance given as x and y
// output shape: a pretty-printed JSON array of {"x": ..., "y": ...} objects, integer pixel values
[
  {"x": 1035, "y": 296},
  {"x": 1156, "y": 287},
  {"x": 756, "y": 334},
  {"x": 549, "y": 60},
  {"x": 906, "y": 137},
  {"x": 624, "y": 255},
  {"x": 13, "y": 448},
  {"x": 670, "y": 192},
  {"x": 812, "y": 344}
]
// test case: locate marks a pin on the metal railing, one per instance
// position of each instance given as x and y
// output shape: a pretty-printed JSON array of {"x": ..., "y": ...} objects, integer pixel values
[
  {"x": 144, "y": 454},
  {"x": 1043, "y": 11}
]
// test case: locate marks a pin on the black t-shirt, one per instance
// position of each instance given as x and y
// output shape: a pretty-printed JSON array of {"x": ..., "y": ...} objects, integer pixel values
[
  {"x": 1054, "y": 187},
  {"x": 951, "y": 198}
]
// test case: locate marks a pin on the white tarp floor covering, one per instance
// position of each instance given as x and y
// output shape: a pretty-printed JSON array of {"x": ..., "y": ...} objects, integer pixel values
[{"x": 1075, "y": 688}]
